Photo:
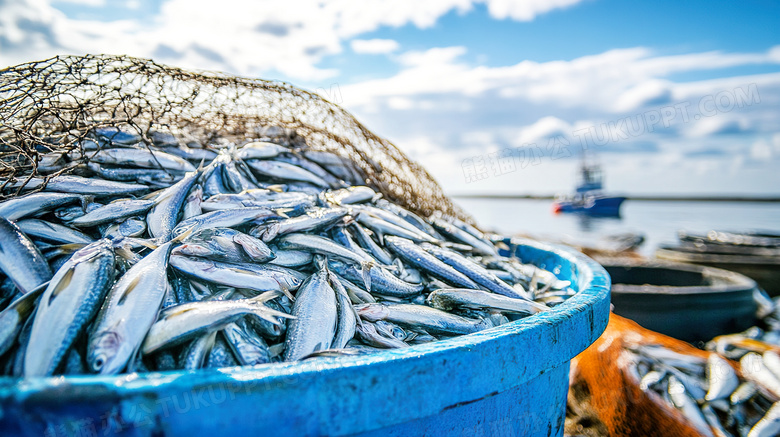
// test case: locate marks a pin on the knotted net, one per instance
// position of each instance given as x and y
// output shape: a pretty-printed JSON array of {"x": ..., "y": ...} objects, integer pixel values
[{"x": 55, "y": 104}]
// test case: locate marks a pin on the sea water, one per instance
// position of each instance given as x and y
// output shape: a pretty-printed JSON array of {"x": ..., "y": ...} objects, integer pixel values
[{"x": 657, "y": 221}]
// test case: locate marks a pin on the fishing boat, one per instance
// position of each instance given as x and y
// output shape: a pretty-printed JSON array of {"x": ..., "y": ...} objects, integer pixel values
[{"x": 588, "y": 197}]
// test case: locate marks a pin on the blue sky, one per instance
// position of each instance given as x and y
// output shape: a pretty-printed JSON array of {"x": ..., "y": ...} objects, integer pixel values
[{"x": 507, "y": 90}]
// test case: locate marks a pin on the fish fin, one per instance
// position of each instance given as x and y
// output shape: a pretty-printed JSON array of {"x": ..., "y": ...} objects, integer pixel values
[
  {"x": 268, "y": 233},
  {"x": 266, "y": 296},
  {"x": 133, "y": 360},
  {"x": 276, "y": 349},
  {"x": 127, "y": 255},
  {"x": 63, "y": 284},
  {"x": 365, "y": 272},
  {"x": 270, "y": 315},
  {"x": 240, "y": 270},
  {"x": 129, "y": 288},
  {"x": 26, "y": 303},
  {"x": 287, "y": 293},
  {"x": 184, "y": 235},
  {"x": 534, "y": 283},
  {"x": 148, "y": 243},
  {"x": 70, "y": 247},
  {"x": 282, "y": 212},
  {"x": 247, "y": 244}
]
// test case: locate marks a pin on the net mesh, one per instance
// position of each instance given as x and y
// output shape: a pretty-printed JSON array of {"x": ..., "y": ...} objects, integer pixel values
[
  {"x": 53, "y": 105},
  {"x": 601, "y": 379}
]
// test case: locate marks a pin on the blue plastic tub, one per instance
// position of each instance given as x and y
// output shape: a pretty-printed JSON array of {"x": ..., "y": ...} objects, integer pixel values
[{"x": 510, "y": 380}]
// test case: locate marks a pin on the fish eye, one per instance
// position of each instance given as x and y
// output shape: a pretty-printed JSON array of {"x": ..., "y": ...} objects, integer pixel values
[{"x": 100, "y": 360}]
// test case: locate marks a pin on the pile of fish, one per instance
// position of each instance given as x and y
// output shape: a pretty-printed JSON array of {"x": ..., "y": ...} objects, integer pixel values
[
  {"x": 160, "y": 257},
  {"x": 711, "y": 394}
]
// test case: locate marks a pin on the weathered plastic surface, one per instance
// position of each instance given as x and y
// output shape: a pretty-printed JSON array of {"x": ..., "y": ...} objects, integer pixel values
[
  {"x": 510, "y": 380},
  {"x": 687, "y": 302}
]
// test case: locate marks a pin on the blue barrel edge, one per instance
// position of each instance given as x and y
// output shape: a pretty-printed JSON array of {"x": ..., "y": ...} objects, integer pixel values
[{"x": 517, "y": 371}]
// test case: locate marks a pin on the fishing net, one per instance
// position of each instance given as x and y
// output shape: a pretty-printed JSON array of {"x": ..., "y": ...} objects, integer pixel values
[
  {"x": 54, "y": 105},
  {"x": 606, "y": 390}
]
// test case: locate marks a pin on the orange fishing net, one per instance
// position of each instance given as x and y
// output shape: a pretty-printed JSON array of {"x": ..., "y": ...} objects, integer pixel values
[{"x": 602, "y": 377}]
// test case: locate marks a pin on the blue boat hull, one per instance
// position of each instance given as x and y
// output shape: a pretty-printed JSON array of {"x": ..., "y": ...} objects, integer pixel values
[{"x": 603, "y": 206}]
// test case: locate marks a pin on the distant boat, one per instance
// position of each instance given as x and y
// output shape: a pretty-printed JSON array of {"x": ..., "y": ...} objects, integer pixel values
[{"x": 589, "y": 198}]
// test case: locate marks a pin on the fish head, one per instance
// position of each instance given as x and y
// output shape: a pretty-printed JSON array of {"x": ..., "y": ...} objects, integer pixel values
[
  {"x": 196, "y": 249},
  {"x": 372, "y": 312},
  {"x": 108, "y": 353},
  {"x": 254, "y": 248},
  {"x": 183, "y": 228},
  {"x": 94, "y": 251}
]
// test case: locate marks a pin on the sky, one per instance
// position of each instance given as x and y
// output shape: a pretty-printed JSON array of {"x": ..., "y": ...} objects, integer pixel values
[{"x": 491, "y": 96}]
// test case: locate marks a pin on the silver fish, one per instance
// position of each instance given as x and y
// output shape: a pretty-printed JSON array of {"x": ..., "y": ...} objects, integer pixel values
[
  {"x": 769, "y": 425},
  {"x": 35, "y": 204},
  {"x": 421, "y": 316},
  {"x": 196, "y": 354},
  {"x": 368, "y": 333},
  {"x": 114, "y": 211},
  {"x": 320, "y": 245},
  {"x": 225, "y": 244},
  {"x": 688, "y": 407},
  {"x": 185, "y": 321},
  {"x": 722, "y": 378},
  {"x": 192, "y": 205},
  {"x": 13, "y": 318},
  {"x": 258, "y": 277},
  {"x": 52, "y": 232},
  {"x": 285, "y": 171},
  {"x": 316, "y": 314},
  {"x": 259, "y": 150},
  {"x": 480, "y": 275},
  {"x": 447, "y": 299},
  {"x": 164, "y": 216},
  {"x": 129, "y": 311},
  {"x": 380, "y": 280},
  {"x": 416, "y": 256},
  {"x": 382, "y": 227},
  {"x": 480, "y": 245},
  {"x": 68, "y": 304},
  {"x": 291, "y": 258},
  {"x": 142, "y": 158},
  {"x": 366, "y": 241},
  {"x": 311, "y": 221},
  {"x": 651, "y": 378},
  {"x": 132, "y": 174},
  {"x": 349, "y": 195},
  {"x": 347, "y": 316},
  {"x": 247, "y": 346},
  {"x": 80, "y": 185},
  {"x": 20, "y": 259},
  {"x": 224, "y": 219},
  {"x": 754, "y": 369}
]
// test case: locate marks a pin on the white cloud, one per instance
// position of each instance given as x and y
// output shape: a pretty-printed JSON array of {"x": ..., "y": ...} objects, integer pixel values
[
  {"x": 247, "y": 38},
  {"x": 761, "y": 150},
  {"x": 525, "y": 10},
  {"x": 439, "y": 107},
  {"x": 374, "y": 46},
  {"x": 92, "y": 3},
  {"x": 545, "y": 104}
]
